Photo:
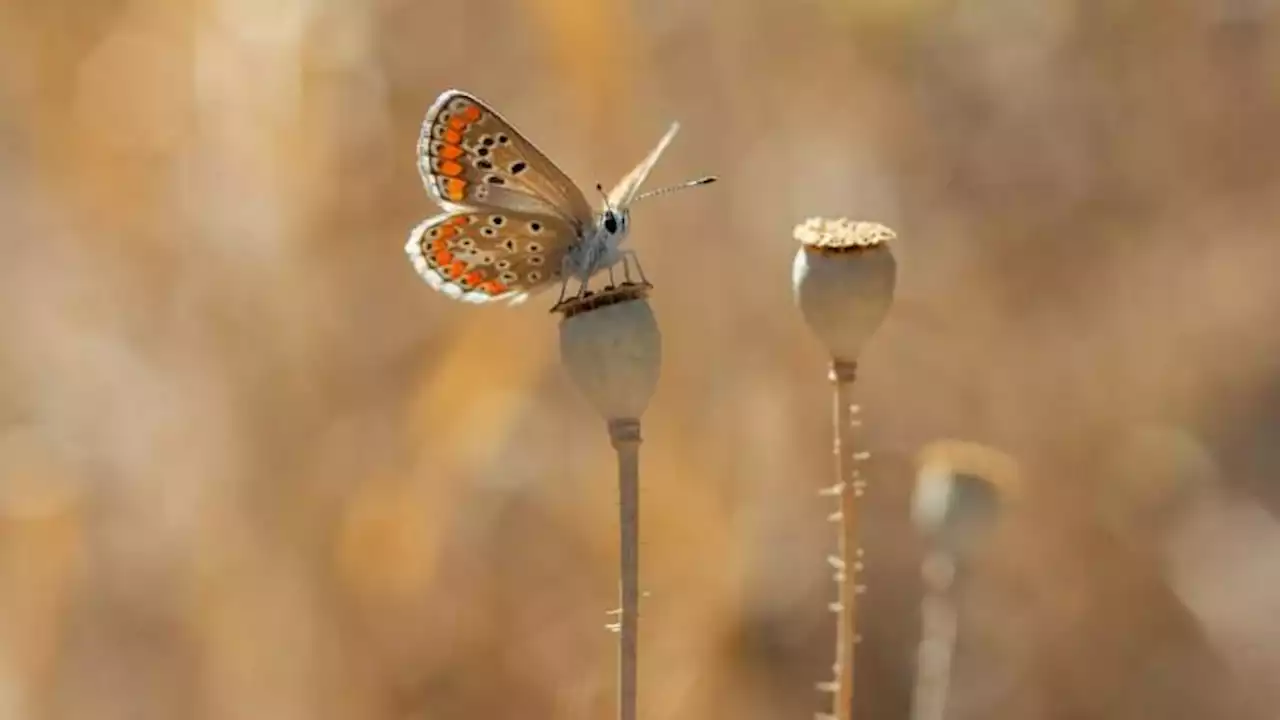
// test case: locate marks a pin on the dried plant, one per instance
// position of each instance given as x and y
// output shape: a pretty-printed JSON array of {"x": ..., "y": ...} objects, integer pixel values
[
  {"x": 960, "y": 488},
  {"x": 611, "y": 347},
  {"x": 843, "y": 280}
]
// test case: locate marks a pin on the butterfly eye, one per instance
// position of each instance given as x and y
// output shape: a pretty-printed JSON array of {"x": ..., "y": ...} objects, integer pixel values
[{"x": 611, "y": 222}]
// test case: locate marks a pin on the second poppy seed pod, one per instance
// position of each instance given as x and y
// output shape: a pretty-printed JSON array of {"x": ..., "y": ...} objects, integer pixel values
[
  {"x": 960, "y": 488},
  {"x": 611, "y": 347},
  {"x": 843, "y": 280}
]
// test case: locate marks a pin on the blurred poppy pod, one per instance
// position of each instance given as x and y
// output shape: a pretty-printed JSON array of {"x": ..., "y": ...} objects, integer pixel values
[
  {"x": 843, "y": 280},
  {"x": 611, "y": 347},
  {"x": 960, "y": 489}
]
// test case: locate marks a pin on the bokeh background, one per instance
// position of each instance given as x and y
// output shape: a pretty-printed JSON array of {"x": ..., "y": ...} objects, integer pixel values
[{"x": 252, "y": 467}]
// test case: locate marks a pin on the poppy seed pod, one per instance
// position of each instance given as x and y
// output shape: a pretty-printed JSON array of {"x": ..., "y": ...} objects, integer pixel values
[
  {"x": 611, "y": 347},
  {"x": 843, "y": 279},
  {"x": 960, "y": 488}
]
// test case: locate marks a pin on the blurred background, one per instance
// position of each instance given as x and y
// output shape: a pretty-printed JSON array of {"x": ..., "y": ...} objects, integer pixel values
[{"x": 252, "y": 467}]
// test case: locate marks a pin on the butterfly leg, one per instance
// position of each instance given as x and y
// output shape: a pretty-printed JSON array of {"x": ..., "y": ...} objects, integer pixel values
[
  {"x": 565, "y": 276},
  {"x": 584, "y": 288},
  {"x": 632, "y": 257},
  {"x": 626, "y": 270}
]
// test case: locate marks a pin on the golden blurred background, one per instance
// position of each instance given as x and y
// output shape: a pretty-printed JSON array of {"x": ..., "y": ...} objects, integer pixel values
[{"x": 252, "y": 467}]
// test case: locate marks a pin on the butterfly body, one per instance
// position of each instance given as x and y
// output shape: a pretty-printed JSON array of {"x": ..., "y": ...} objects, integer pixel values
[
  {"x": 600, "y": 246},
  {"x": 514, "y": 224}
]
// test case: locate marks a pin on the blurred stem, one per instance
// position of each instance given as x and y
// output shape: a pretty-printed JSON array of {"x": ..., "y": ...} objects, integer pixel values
[
  {"x": 625, "y": 435},
  {"x": 937, "y": 639},
  {"x": 842, "y": 377}
]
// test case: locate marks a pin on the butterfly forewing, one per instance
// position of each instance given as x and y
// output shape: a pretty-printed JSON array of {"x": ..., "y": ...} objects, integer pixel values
[
  {"x": 470, "y": 157},
  {"x": 625, "y": 191},
  {"x": 485, "y": 255}
]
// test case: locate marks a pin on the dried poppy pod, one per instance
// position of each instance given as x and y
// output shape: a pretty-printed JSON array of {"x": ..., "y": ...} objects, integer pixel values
[
  {"x": 610, "y": 344},
  {"x": 843, "y": 279},
  {"x": 960, "y": 489}
]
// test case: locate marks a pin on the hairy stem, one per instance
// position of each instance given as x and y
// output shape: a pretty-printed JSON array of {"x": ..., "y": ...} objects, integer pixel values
[{"x": 849, "y": 485}]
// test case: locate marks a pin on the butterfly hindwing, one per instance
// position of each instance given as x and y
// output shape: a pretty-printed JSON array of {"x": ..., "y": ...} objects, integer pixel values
[
  {"x": 471, "y": 157},
  {"x": 488, "y": 255}
]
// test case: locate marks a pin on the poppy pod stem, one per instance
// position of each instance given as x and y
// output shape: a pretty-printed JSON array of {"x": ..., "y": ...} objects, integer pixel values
[
  {"x": 849, "y": 568},
  {"x": 611, "y": 348}
]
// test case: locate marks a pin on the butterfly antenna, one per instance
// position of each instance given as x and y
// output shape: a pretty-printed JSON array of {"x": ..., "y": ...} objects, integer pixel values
[
  {"x": 605, "y": 195},
  {"x": 682, "y": 186}
]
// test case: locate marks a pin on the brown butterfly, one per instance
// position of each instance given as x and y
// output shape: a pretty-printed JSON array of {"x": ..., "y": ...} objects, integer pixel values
[{"x": 514, "y": 224}]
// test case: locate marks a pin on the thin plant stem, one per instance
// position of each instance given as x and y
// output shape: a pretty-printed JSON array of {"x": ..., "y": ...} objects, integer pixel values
[
  {"x": 849, "y": 488},
  {"x": 937, "y": 640},
  {"x": 625, "y": 435}
]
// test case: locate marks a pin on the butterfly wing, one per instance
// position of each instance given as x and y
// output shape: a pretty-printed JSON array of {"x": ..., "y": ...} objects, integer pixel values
[
  {"x": 625, "y": 191},
  {"x": 482, "y": 256},
  {"x": 470, "y": 157}
]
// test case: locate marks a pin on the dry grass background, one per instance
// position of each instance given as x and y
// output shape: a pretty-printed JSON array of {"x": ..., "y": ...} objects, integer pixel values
[{"x": 251, "y": 467}]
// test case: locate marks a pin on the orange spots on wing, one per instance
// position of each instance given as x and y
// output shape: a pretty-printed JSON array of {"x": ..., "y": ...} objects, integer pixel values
[
  {"x": 450, "y": 152},
  {"x": 439, "y": 244},
  {"x": 471, "y": 113},
  {"x": 456, "y": 268},
  {"x": 452, "y": 137},
  {"x": 472, "y": 278},
  {"x": 453, "y": 188},
  {"x": 492, "y": 287},
  {"x": 443, "y": 257},
  {"x": 450, "y": 168},
  {"x": 458, "y": 123},
  {"x": 457, "y": 220}
]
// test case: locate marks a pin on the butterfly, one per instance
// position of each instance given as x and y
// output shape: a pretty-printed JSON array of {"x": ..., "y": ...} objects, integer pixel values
[{"x": 514, "y": 224}]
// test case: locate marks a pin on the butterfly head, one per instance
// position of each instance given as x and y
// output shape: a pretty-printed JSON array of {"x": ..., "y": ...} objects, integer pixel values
[{"x": 615, "y": 222}]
